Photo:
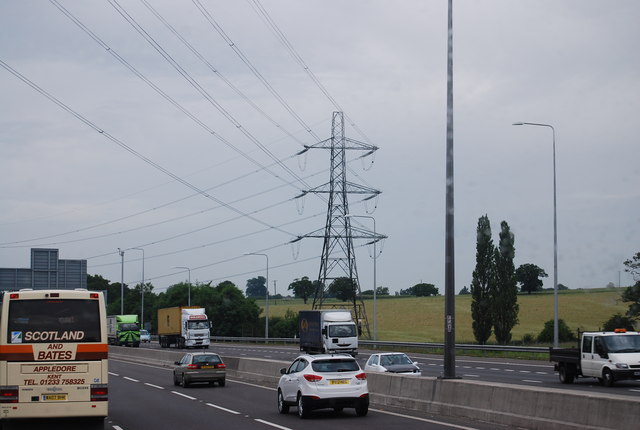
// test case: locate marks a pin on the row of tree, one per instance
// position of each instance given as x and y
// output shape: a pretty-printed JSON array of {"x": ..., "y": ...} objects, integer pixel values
[{"x": 494, "y": 290}]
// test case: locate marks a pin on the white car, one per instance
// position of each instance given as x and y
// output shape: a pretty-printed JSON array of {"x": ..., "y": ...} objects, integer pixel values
[
  {"x": 393, "y": 362},
  {"x": 323, "y": 381},
  {"x": 145, "y": 336}
]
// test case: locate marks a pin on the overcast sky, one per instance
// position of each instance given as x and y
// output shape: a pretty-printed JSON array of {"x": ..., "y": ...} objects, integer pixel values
[{"x": 106, "y": 144}]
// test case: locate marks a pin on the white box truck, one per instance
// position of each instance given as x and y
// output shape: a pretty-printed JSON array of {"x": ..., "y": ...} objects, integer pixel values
[
  {"x": 184, "y": 327},
  {"x": 327, "y": 331}
]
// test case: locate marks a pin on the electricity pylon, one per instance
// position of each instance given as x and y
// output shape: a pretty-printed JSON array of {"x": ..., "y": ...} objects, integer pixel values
[{"x": 338, "y": 257}]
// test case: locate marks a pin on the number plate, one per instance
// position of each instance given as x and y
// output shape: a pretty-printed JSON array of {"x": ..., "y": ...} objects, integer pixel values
[
  {"x": 207, "y": 367},
  {"x": 338, "y": 381},
  {"x": 54, "y": 397}
]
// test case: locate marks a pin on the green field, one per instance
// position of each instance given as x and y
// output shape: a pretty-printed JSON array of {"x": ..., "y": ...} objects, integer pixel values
[{"x": 421, "y": 319}]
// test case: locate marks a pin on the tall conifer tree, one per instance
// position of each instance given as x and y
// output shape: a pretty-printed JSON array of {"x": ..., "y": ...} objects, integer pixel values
[
  {"x": 482, "y": 282},
  {"x": 505, "y": 300}
]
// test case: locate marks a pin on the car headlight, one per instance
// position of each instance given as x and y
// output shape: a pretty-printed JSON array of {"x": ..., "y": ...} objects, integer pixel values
[{"x": 622, "y": 366}]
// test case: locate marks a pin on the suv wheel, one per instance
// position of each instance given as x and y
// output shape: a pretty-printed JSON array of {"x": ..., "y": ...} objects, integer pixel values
[
  {"x": 282, "y": 407},
  {"x": 302, "y": 407}
]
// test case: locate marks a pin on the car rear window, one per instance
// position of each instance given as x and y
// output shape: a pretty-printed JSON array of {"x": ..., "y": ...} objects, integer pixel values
[
  {"x": 206, "y": 359},
  {"x": 333, "y": 365}
]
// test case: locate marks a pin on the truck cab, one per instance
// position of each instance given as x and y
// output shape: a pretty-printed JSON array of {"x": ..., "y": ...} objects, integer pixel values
[
  {"x": 340, "y": 333},
  {"x": 611, "y": 356}
]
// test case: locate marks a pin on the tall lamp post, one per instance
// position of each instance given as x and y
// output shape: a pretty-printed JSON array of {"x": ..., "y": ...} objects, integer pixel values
[
  {"x": 189, "y": 270},
  {"x": 375, "y": 257},
  {"x": 121, "y": 281},
  {"x": 555, "y": 233},
  {"x": 141, "y": 291},
  {"x": 266, "y": 310}
]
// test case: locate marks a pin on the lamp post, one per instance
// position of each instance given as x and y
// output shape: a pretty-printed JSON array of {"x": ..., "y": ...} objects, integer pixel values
[
  {"x": 375, "y": 257},
  {"x": 266, "y": 310},
  {"x": 141, "y": 291},
  {"x": 121, "y": 281},
  {"x": 555, "y": 233},
  {"x": 189, "y": 270}
]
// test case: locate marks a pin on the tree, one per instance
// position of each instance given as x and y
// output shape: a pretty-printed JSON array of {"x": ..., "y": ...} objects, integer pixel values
[
  {"x": 302, "y": 288},
  {"x": 343, "y": 289},
  {"x": 528, "y": 275},
  {"x": 505, "y": 295},
  {"x": 464, "y": 291},
  {"x": 380, "y": 291},
  {"x": 482, "y": 282},
  {"x": 425, "y": 290},
  {"x": 564, "y": 332},
  {"x": 632, "y": 294},
  {"x": 256, "y": 287},
  {"x": 633, "y": 266},
  {"x": 232, "y": 314},
  {"x": 618, "y": 321}
]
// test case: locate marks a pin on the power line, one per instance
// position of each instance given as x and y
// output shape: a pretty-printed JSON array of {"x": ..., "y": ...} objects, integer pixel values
[{"x": 128, "y": 148}]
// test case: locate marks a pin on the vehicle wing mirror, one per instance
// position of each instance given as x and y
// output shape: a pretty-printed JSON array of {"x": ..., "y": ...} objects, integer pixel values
[
  {"x": 177, "y": 363},
  {"x": 283, "y": 371}
]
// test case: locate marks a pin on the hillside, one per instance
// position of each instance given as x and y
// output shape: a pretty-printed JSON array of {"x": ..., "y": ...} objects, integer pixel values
[{"x": 420, "y": 319}]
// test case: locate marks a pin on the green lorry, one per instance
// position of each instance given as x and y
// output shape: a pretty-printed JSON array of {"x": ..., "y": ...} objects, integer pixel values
[{"x": 123, "y": 330}]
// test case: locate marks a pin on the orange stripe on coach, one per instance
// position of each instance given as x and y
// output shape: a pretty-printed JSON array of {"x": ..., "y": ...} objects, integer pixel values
[
  {"x": 95, "y": 351},
  {"x": 16, "y": 353}
]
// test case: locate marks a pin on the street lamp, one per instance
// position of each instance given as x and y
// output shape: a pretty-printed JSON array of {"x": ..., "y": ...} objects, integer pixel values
[
  {"x": 189, "y": 270},
  {"x": 266, "y": 307},
  {"x": 555, "y": 234},
  {"x": 375, "y": 257},
  {"x": 121, "y": 281},
  {"x": 142, "y": 291}
]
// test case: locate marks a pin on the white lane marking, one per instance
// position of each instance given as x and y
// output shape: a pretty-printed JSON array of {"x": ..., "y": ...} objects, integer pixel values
[
  {"x": 633, "y": 389},
  {"x": 113, "y": 374},
  {"x": 223, "y": 409},
  {"x": 542, "y": 373},
  {"x": 131, "y": 379},
  {"x": 154, "y": 386},
  {"x": 272, "y": 424},
  {"x": 532, "y": 381},
  {"x": 117, "y": 427},
  {"x": 471, "y": 376},
  {"x": 424, "y": 420},
  {"x": 184, "y": 395},
  {"x": 524, "y": 371}
]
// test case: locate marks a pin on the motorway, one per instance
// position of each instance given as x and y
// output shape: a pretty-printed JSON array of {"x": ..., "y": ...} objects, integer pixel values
[
  {"x": 142, "y": 396},
  {"x": 508, "y": 371}
]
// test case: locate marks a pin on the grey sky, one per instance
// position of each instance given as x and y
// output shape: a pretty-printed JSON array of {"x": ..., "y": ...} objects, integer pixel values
[{"x": 572, "y": 64}]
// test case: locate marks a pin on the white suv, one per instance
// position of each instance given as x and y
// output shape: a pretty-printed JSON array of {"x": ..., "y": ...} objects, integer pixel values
[{"x": 323, "y": 381}]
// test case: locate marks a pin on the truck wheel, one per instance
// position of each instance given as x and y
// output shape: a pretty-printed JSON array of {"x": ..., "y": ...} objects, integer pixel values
[
  {"x": 607, "y": 378},
  {"x": 181, "y": 343},
  {"x": 566, "y": 374}
]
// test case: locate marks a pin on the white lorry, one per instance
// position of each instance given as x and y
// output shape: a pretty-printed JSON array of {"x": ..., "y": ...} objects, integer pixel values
[
  {"x": 609, "y": 356},
  {"x": 184, "y": 327},
  {"x": 327, "y": 331}
]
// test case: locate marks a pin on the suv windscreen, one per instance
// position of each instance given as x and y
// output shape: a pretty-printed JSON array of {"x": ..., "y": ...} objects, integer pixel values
[{"x": 335, "y": 365}]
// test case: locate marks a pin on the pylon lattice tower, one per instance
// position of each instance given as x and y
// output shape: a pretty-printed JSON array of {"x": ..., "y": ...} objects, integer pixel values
[{"x": 338, "y": 257}]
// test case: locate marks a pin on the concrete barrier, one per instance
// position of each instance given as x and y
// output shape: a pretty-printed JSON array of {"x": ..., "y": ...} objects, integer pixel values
[{"x": 511, "y": 405}]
